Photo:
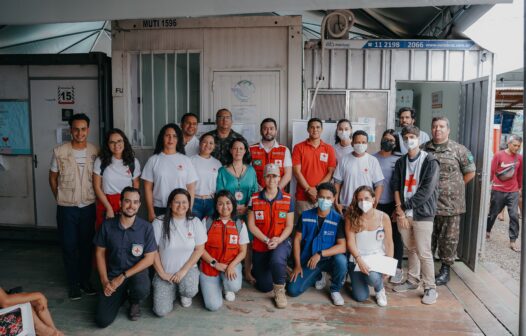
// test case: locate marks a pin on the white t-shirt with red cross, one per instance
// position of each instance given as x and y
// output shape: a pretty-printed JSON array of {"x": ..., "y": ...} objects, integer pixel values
[{"x": 412, "y": 177}]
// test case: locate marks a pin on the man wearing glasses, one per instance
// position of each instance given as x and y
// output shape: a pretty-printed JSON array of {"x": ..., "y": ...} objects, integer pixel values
[{"x": 223, "y": 134}]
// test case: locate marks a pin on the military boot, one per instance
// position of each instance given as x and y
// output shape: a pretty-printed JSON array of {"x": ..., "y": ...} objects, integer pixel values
[
  {"x": 443, "y": 275},
  {"x": 279, "y": 296}
]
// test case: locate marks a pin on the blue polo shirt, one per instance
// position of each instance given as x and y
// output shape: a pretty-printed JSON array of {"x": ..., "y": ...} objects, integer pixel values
[{"x": 125, "y": 247}]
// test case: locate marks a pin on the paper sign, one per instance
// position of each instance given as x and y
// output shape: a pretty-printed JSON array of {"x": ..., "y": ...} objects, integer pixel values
[{"x": 379, "y": 263}]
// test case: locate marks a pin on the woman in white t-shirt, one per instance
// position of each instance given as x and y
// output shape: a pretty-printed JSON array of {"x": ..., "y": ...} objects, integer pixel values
[
  {"x": 206, "y": 167},
  {"x": 225, "y": 248},
  {"x": 368, "y": 232},
  {"x": 180, "y": 239},
  {"x": 343, "y": 140},
  {"x": 167, "y": 169},
  {"x": 114, "y": 169}
]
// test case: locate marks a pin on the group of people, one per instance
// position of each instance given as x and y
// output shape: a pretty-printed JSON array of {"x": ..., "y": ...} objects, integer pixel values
[{"x": 219, "y": 212}]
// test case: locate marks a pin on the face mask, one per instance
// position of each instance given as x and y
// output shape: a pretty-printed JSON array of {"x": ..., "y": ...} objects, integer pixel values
[
  {"x": 365, "y": 205},
  {"x": 411, "y": 143},
  {"x": 324, "y": 204},
  {"x": 344, "y": 135},
  {"x": 387, "y": 146},
  {"x": 360, "y": 148}
]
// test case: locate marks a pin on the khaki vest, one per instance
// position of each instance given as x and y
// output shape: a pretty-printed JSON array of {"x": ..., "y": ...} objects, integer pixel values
[{"x": 73, "y": 189}]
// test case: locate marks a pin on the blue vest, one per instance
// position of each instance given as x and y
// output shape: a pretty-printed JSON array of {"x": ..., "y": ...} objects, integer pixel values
[{"x": 326, "y": 237}]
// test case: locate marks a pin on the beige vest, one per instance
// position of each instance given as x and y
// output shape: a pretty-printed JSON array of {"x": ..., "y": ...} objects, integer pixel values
[{"x": 73, "y": 189}]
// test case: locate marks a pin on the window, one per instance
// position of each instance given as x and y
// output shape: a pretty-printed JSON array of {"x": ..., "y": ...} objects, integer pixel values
[{"x": 164, "y": 86}]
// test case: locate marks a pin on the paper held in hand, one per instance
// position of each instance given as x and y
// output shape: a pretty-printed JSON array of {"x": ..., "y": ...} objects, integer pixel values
[{"x": 379, "y": 263}]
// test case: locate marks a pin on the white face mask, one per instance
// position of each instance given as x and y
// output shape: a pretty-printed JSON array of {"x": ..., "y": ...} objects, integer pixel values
[
  {"x": 344, "y": 135},
  {"x": 411, "y": 143},
  {"x": 365, "y": 205},
  {"x": 360, "y": 148}
]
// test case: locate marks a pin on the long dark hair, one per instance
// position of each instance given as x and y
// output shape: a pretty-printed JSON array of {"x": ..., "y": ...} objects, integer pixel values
[
  {"x": 128, "y": 156},
  {"x": 354, "y": 213},
  {"x": 159, "y": 144},
  {"x": 337, "y": 140},
  {"x": 247, "y": 158},
  {"x": 230, "y": 196},
  {"x": 168, "y": 214},
  {"x": 397, "y": 139}
]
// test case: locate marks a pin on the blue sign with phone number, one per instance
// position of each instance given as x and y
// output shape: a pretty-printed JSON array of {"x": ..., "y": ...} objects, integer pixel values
[{"x": 420, "y": 44}]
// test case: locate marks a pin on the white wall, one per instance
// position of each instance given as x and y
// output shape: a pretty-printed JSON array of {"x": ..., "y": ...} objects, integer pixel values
[{"x": 422, "y": 93}]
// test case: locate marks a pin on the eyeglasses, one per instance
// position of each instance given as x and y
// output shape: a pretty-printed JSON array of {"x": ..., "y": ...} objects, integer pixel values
[
  {"x": 224, "y": 117},
  {"x": 118, "y": 142}
]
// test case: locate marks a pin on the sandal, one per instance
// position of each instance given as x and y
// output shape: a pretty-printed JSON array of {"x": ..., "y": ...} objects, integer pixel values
[{"x": 515, "y": 247}]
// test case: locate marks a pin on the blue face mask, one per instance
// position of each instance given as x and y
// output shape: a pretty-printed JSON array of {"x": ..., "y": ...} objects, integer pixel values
[{"x": 324, "y": 204}]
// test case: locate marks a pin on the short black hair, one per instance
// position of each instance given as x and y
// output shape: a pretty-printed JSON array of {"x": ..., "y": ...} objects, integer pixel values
[
  {"x": 311, "y": 120},
  {"x": 411, "y": 129},
  {"x": 189, "y": 114},
  {"x": 405, "y": 109},
  {"x": 129, "y": 189},
  {"x": 360, "y": 132},
  {"x": 78, "y": 116},
  {"x": 266, "y": 120},
  {"x": 326, "y": 186}
]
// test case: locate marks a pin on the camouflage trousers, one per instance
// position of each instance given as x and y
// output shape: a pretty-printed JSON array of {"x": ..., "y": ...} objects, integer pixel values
[{"x": 445, "y": 237}]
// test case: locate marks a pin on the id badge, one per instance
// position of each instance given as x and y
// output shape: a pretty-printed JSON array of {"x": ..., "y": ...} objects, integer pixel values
[
  {"x": 238, "y": 195},
  {"x": 380, "y": 235}
]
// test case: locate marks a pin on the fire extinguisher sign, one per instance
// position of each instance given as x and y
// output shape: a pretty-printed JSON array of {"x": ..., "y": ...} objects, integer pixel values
[{"x": 66, "y": 95}]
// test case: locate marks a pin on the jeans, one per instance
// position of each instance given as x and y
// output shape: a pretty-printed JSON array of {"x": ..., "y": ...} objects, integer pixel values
[
  {"x": 270, "y": 267},
  {"x": 203, "y": 207},
  {"x": 76, "y": 227},
  {"x": 135, "y": 288},
  {"x": 360, "y": 283},
  {"x": 397, "y": 238},
  {"x": 498, "y": 201},
  {"x": 336, "y": 266},
  {"x": 212, "y": 291}
]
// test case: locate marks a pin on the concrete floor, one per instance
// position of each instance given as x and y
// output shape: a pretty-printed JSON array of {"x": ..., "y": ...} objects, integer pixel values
[{"x": 38, "y": 267}]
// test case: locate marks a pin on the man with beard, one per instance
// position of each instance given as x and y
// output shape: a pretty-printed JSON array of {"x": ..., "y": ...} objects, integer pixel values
[
  {"x": 270, "y": 151},
  {"x": 407, "y": 117},
  {"x": 189, "y": 122},
  {"x": 125, "y": 248}
]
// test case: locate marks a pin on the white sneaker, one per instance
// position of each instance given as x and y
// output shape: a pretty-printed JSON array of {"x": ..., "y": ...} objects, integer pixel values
[
  {"x": 381, "y": 298},
  {"x": 320, "y": 284},
  {"x": 337, "y": 299},
  {"x": 186, "y": 301},
  {"x": 230, "y": 296}
]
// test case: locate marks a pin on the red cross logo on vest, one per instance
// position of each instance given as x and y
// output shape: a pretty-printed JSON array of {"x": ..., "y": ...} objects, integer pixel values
[{"x": 410, "y": 183}]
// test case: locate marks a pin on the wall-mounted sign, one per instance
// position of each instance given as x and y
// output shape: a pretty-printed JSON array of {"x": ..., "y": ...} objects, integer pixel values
[
  {"x": 243, "y": 90},
  {"x": 14, "y": 128},
  {"x": 66, "y": 95},
  {"x": 436, "y": 100},
  {"x": 401, "y": 44}
]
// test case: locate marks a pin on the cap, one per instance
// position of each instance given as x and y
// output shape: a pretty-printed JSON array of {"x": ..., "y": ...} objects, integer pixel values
[{"x": 271, "y": 168}]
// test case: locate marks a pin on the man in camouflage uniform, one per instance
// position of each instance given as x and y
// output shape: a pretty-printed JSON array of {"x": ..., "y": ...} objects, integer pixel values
[
  {"x": 457, "y": 168},
  {"x": 223, "y": 134}
]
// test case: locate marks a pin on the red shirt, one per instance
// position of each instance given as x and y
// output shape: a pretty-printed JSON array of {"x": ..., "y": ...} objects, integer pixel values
[
  {"x": 501, "y": 161},
  {"x": 315, "y": 163}
]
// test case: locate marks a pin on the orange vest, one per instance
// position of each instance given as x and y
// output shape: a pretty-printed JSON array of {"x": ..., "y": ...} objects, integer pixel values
[
  {"x": 222, "y": 245},
  {"x": 270, "y": 218},
  {"x": 260, "y": 158}
]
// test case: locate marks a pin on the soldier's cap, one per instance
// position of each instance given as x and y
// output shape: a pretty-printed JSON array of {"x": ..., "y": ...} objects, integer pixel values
[{"x": 271, "y": 169}]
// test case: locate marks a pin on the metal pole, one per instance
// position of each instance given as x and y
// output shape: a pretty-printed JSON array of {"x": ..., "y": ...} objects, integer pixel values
[{"x": 522, "y": 299}]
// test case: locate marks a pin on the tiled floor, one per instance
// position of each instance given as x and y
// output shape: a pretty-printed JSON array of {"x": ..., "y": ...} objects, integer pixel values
[{"x": 38, "y": 267}]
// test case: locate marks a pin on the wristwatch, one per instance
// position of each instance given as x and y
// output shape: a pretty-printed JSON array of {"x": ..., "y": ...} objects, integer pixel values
[
  {"x": 267, "y": 239},
  {"x": 319, "y": 252},
  {"x": 124, "y": 275},
  {"x": 213, "y": 263}
]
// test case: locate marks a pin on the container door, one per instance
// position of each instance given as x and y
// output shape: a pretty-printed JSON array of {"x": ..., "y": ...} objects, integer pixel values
[
  {"x": 50, "y": 98},
  {"x": 475, "y": 128}
]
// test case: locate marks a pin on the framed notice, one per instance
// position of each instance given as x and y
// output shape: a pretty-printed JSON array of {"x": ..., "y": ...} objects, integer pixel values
[{"x": 14, "y": 128}]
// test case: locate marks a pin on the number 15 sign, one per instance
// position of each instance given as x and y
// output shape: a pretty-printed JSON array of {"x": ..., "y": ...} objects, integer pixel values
[{"x": 66, "y": 95}]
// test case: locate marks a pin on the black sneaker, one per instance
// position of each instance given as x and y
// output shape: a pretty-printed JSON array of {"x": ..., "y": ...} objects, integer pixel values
[
  {"x": 135, "y": 311},
  {"x": 88, "y": 289},
  {"x": 74, "y": 293}
]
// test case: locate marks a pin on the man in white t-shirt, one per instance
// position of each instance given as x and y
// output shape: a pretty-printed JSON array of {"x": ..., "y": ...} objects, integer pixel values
[
  {"x": 189, "y": 122},
  {"x": 70, "y": 181},
  {"x": 356, "y": 169},
  {"x": 407, "y": 117}
]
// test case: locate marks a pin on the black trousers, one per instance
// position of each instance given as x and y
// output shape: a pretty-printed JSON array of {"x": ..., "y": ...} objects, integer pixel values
[
  {"x": 135, "y": 289},
  {"x": 397, "y": 238}
]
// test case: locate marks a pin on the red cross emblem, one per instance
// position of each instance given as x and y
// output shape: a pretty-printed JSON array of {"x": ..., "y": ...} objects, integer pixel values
[{"x": 410, "y": 183}]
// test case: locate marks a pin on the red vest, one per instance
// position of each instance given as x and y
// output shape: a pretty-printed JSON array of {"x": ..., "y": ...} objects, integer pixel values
[
  {"x": 260, "y": 158},
  {"x": 222, "y": 245},
  {"x": 270, "y": 218}
]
